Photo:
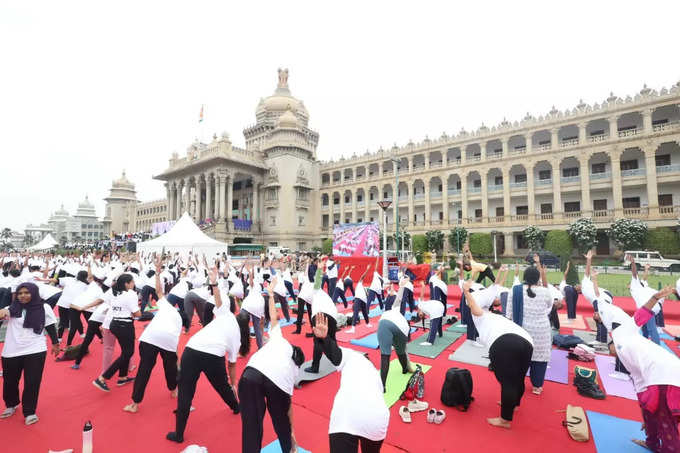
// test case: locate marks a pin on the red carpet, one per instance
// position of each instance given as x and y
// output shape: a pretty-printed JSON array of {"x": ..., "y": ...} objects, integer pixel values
[{"x": 68, "y": 399}]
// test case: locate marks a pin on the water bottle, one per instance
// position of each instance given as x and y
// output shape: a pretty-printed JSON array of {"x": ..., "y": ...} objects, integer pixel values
[{"x": 87, "y": 437}]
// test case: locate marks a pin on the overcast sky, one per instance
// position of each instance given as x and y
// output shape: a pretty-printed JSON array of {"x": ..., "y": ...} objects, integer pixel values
[{"x": 90, "y": 88}]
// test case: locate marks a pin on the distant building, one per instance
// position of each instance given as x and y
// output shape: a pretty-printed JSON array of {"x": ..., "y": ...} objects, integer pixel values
[
  {"x": 121, "y": 207},
  {"x": 84, "y": 226},
  {"x": 36, "y": 233},
  {"x": 149, "y": 213}
]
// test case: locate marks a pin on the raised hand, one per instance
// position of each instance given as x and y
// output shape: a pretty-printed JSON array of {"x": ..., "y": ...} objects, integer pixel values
[
  {"x": 589, "y": 254},
  {"x": 320, "y": 328}
]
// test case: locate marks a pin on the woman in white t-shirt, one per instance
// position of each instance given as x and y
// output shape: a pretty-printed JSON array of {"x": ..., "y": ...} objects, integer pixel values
[
  {"x": 24, "y": 350},
  {"x": 304, "y": 298},
  {"x": 359, "y": 303},
  {"x": 393, "y": 332},
  {"x": 124, "y": 305},
  {"x": 204, "y": 353},
  {"x": 87, "y": 303},
  {"x": 161, "y": 336},
  {"x": 252, "y": 309},
  {"x": 73, "y": 287},
  {"x": 176, "y": 298},
  {"x": 267, "y": 384},
  {"x": 359, "y": 415},
  {"x": 510, "y": 350}
]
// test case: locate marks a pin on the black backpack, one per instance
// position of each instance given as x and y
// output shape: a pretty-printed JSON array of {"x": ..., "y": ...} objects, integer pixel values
[{"x": 457, "y": 389}]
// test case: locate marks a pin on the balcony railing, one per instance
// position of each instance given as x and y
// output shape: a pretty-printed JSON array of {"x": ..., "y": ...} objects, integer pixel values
[
  {"x": 453, "y": 191},
  {"x": 474, "y": 189},
  {"x": 666, "y": 126},
  {"x": 497, "y": 219},
  {"x": 435, "y": 164},
  {"x": 419, "y": 196},
  {"x": 570, "y": 179},
  {"x": 518, "y": 151},
  {"x": 403, "y": 198},
  {"x": 474, "y": 158},
  {"x": 635, "y": 212},
  {"x": 598, "y": 138},
  {"x": 436, "y": 222},
  {"x": 602, "y": 175},
  {"x": 360, "y": 177},
  {"x": 572, "y": 214},
  {"x": 632, "y": 172},
  {"x": 435, "y": 195},
  {"x": 544, "y": 182},
  {"x": 349, "y": 179},
  {"x": 602, "y": 214},
  {"x": 568, "y": 143},
  {"x": 629, "y": 133},
  {"x": 517, "y": 185},
  {"x": 545, "y": 147},
  {"x": 360, "y": 204},
  {"x": 669, "y": 211},
  {"x": 324, "y": 207},
  {"x": 545, "y": 216},
  {"x": 668, "y": 168},
  {"x": 495, "y": 188}
]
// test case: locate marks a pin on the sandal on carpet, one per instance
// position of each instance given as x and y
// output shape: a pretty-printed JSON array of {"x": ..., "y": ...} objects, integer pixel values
[
  {"x": 8, "y": 412},
  {"x": 405, "y": 414}
]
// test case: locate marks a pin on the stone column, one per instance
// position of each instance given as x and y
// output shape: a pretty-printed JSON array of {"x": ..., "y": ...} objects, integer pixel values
[
  {"x": 380, "y": 170},
  {"x": 554, "y": 138},
  {"x": 652, "y": 189},
  {"x": 354, "y": 206},
  {"x": 187, "y": 196},
  {"x": 255, "y": 216},
  {"x": 506, "y": 195},
  {"x": 557, "y": 189},
  {"x": 410, "y": 202},
  {"x": 228, "y": 209},
  {"x": 504, "y": 146},
  {"x": 395, "y": 206},
  {"x": 445, "y": 160},
  {"x": 582, "y": 133},
  {"x": 485, "y": 196},
  {"x": 616, "y": 182},
  {"x": 531, "y": 197},
  {"x": 208, "y": 197},
  {"x": 613, "y": 128},
  {"x": 221, "y": 180},
  {"x": 410, "y": 164},
  {"x": 586, "y": 204},
  {"x": 428, "y": 219},
  {"x": 463, "y": 196},
  {"x": 178, "y": 196},
  {"x": 528, "y": 139},
  {"x": 463, "y": 155},
  {"x": 168, "y": 195},
  {"x": 647, "y": 121},
  {"x": 509, "y": 244},
  {"x": 342, "y": 207},
  {"x": 198, "y": 215},
  {"x": 427, "y": 162},
  {"x": 482, "y": 151},
  {"x": 445, "y": 199}
]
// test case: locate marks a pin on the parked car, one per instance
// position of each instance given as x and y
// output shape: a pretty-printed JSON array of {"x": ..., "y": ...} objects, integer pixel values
[
  {"x": 277, "y": 252},
  {"x": 653, "y": 258},
  {"x": 548, "y": 259}
]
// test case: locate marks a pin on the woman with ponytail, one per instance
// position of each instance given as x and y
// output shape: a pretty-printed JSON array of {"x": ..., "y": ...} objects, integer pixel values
[
  {"x": 529, "y": 305},
  {"x": 204, "y": 353}
]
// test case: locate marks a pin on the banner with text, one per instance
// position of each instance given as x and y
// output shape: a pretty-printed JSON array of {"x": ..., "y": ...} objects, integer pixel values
[{"x": 356, "y": 239}]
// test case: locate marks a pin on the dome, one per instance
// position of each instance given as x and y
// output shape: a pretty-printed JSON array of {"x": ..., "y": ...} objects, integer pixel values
[
  {"x": 287, "y": 120},
  {"x": 86, "y": 204},
  {"x": 123, "y": 182},
  {"x": 282, "y": 99},
  {"x": 61, "y": 212}
]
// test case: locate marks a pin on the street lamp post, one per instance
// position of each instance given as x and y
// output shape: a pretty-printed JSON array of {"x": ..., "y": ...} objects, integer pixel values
[
  {"x": 384, "y": 204},
  {"x": 395, "y": 164},
  {"x": 495, "y": 254}
]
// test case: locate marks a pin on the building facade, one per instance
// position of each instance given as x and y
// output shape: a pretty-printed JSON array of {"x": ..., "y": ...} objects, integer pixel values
[
  {"x": 121, "y": 207},
  {"x": 264, "y": 193},
  {"x": 36, "y": 233},
  {"x": 620, "y": 158},
  {"x": 84, "y": 226},
  {"x": 150, "y": 212}
]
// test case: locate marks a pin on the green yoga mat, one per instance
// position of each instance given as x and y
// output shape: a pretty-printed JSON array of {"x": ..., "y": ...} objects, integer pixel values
[
  {"x": 3, "y": 332},
  {"x": 457, "y": 327},
  {"x": 440, "y": 343},
  {"x": 396, "y": 381}
]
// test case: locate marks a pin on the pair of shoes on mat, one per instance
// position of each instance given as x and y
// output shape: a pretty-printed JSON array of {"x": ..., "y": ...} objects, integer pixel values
[
  {"x": 587, "y": 388},
  {"x": 405, "y": 414},
  {"x": 436, "y": 416}
]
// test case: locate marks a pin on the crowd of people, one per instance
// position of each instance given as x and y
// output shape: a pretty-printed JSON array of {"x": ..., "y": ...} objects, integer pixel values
[{"x": 103, "y": 294}]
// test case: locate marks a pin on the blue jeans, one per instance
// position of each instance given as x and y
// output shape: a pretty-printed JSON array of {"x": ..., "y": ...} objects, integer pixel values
[
  {"x": 537, "y": 373},
  {"x": 649, "y": 331},
  {"x": 372, "y": 295}
]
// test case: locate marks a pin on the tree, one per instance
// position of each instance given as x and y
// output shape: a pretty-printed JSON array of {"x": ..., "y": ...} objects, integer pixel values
[
  {"x": 419, "y": 246},
  {"x": 559, "y": 243},
  {"x": 327, "y": 246},
  {"x": 404, "y": 239},
  {"x": 535, "y": 237},
  {"x": 629, "y": 234},
  {"x": 583, "y": 233},
  {"x": 664, "y": 240},
  {"x": 481, "y": 244},
  {"x": 457, "y": 237},
  {"x": 435, "y": 241}
]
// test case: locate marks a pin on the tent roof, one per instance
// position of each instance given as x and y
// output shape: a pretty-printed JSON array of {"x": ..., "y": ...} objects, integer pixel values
[
  {"x": 184, "y": 233},
  {"x": 46, "y": 243}
]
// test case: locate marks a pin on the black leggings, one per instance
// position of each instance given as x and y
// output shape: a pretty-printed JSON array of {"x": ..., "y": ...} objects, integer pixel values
[
  {"x": 486, "y": 273},
  {"x": 510, "y": 357},
  {"x": 283, "y": 301},
  {"x": 75, "y": 324},
  {"x": 349, "y": 284},
  {"x": 257, "y": 393},
  {"x": 92, "y": 330},
  {"x": 64, "y": 317},
  {"x": 291, "y": 290},
  {"x": 301, "y": 313},
  {"x": 193, "y": 364},
  {"x": 339, "y": 294},
  {"x": 124, "y": 331},
  {"x": 407, "y": 298},
  {"x": 349, "y": 443},
  {"x": 147, "y": 360},
  {"x": 359, "y": 305},
  {"x": 373, "y": 295},
  {"x": 31, "y": 365}
]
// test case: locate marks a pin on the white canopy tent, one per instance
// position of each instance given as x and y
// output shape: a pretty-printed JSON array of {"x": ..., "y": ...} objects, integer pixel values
[
  {"x": 184, "y": 237},
  {"x": 47, "y": 243}
]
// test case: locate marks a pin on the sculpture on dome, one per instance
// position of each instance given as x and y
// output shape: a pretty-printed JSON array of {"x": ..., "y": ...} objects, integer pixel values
[{"x": 283, "y": 78}]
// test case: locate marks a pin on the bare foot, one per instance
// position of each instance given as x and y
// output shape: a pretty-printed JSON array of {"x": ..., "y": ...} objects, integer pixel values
[
  {"x": 132, "y": 408},
  {"x": 639, "y": 442},
  {"x": 174, "y": 393},
  {"x": 537, "y": 390},
  {"x": 499, "y": 422}
]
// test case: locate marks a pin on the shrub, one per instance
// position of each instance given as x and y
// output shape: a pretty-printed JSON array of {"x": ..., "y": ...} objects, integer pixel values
[
  {"x": 583, "y": 233},
  {"x": 559, "y": 243},
  {"x": 456, "y": 243},
  {"x": 665, "y": 240},
  {"x": 435, "y": 241},
  {"x": 419, "y": 243},
  {"x": 481, "y": 244},
  {"x": 327, "y": 246},
  {"x": 535, "y": 237},
  {"x": 405, "y": 237},
  {"x": 629, "y": 234}
]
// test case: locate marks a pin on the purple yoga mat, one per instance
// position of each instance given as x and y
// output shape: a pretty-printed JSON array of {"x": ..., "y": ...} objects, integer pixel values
[
  {"x": 558, "y": 367},
  {"x": 613, "y": 387}
]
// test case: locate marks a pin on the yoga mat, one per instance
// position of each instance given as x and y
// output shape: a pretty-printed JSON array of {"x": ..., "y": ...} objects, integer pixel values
[
  {"x": 325, "y": 368},
  {"x": 371, "y": 341},
  {"x": 673, "y": 329},
  {"x": 3, "y": 331},
  {"x": 360, "y": 330},
  {"x": 665, "y": 336},
  {"x": 613, "y": 435},
  {"x": 457, "y": 327},
  {"x": 591, "y": 323},
  {"x": 396, "y": 381},
  {"x": 275, "y": 447},
  {"x": 613, "y": 387},
  {"x": 440, "y": 343},
  {"x": 467, "y": 353},
  {"x": 558, "y": 367},
  {"x": 577, "y": 323}
]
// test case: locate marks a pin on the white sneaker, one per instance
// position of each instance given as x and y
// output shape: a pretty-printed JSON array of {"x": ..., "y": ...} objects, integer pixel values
[
  {"x": 417, "y": 406},
  {"x": 350, "y": 330},
  {"x": 462, "y": 325},
  {"x": 8, "y": 412},
  {"x": 477, "y": 344},
  {"x": 31, "y": 419},
  {"x": 369, "y": 325},
  {"x": 425, "y": 343}
]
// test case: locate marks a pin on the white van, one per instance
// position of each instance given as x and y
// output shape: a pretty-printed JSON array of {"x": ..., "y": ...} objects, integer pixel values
[
  {"x": 277, "y": 252},
  {"x": 654, "y": 259}
]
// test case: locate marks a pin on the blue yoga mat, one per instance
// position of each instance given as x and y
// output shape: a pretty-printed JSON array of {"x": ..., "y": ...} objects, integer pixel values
[
  {"x": 665, "y": 336},
  {"x": 275, "y": 447},
  {"x": 370, "y": 341},
  {"x": 613, "y": 435}
]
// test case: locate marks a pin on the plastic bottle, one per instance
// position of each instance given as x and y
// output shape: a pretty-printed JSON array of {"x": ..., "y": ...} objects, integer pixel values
[{"x": 87, "y": 437}]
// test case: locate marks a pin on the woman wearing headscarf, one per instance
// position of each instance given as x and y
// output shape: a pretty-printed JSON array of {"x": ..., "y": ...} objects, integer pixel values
[
  {"x": 267, "y": 384},
  {"x": 25, "y": 350},
  {"x": 529, "y": 306}
]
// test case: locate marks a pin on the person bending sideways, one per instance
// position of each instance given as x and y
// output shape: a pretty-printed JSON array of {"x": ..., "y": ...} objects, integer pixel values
[
  {"x": 25, "y": 350},
  {"x": 393, "y": 332},
  {"x": 510, "y": 351},
  {"x": 359, "y": 415},
  {"x": 484, "y": 270},
  {"x": 204, "y": 353},
  {"x": 267, "y": 384},
  {"x": 161, "y": 336}
]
